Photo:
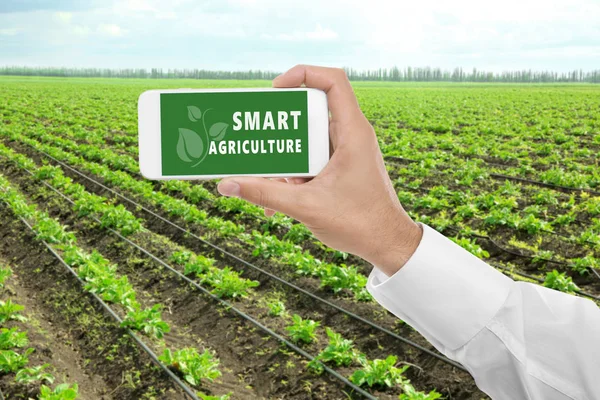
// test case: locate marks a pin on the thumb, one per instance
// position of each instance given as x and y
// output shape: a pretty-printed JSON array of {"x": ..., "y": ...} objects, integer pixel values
[{"x": 278, "y": 196}]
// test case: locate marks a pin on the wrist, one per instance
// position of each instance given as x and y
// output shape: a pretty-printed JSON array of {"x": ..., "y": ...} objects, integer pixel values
[{"x": 396, "y": 247}]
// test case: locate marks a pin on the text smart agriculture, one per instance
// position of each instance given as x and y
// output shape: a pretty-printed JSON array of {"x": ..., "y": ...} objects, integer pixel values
[
  {"x": 218, "y": 133},
  {"x": 251, "y": 121}
]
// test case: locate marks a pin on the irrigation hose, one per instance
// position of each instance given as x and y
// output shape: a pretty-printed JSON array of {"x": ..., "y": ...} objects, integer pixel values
[
  {"x": 513, "y": 178},
  {"x": 225, "y": 303},
  {"x": 272, "y": 276},
  {"x": 105, "y": 306}
]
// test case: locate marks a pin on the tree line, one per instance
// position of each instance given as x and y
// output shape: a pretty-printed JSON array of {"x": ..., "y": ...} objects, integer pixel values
[{"x": 408, "y": 74}]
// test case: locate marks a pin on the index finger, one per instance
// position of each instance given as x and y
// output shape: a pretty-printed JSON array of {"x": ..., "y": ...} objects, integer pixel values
[{"x": 333, "y": 81}]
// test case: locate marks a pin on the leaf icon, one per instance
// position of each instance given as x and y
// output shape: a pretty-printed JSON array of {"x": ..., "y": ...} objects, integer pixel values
[
  {"x": 218, "y": 130},
  {"x": 194, "y": 113},
  {"x": 190, "y": 145}
]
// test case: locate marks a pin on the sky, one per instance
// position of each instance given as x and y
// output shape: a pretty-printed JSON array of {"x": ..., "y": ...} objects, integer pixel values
[{"x": 277, "y": 34}]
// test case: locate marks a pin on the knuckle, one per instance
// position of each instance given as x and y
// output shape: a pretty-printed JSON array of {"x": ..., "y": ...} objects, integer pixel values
[
  {"x": 263, "y": 199},
  {"x": 256, "y": 196},
  {"x": 341, "y": 74}
]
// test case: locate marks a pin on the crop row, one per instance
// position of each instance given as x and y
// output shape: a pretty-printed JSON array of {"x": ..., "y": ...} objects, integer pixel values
[
  {"x": 466, "y": 208},
  {"x": 428, "y": 128},
  {"x": 332, "y": 276},
  {"x": 499, "y": 205},
  {"x": 270, "y": 248},
  {"x": 226, "y": 284},
  {"x": 193, "y": 192},
  {"x": 101, "y": 278},
  {"x": 14, "y": 356}
]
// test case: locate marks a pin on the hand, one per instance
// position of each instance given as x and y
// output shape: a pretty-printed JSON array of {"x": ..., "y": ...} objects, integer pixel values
[{"x": 351, "y": 205}]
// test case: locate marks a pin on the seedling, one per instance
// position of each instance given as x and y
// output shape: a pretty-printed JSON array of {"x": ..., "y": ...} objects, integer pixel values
[
  {"x": 11, "y": 361},
  {"x": 379, "y": 373},
  {"x": 11, "y": 338},
  {"x": 302, "y": 330},
  {"x": 63, "y": 391},
  {"x": 10, "y": 311},
  {"x": 559, "y": 281},
  {"x": 193, "y": 366},
  {"x": 34, "y": 374},
  {"x": 149, "y": 321}
]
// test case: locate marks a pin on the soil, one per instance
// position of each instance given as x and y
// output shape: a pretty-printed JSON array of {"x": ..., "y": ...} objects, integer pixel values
[
  {"x": 454, "y": 383},
  {"x": 69, "y": 330},
  {"x": 253, "y": 364}
]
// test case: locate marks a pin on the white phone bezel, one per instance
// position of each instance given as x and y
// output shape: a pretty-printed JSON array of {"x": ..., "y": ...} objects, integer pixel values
[{"x": 150, "y": 140}]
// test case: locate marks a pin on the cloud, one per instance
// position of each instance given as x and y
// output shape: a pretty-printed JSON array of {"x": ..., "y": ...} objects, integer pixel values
[
  {"x": 8, "y": 32},
  {"x": 63, "y": 16},
  {"x": 22, "y": 6},
  {"x": 274, "y": 34},
  {"x": 111, "y": 30},
  {"x": 81, "y": 30},
  {"x": 318, "y": 34}
]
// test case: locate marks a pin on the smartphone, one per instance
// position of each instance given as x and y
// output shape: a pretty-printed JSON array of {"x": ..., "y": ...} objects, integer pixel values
[{"x": 214, "y": 133}]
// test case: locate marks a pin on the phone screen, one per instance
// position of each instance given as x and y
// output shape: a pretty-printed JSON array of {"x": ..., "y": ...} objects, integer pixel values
[{"x": 222, "y": 133}]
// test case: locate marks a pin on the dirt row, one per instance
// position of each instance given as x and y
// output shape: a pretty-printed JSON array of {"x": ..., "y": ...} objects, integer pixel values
[{"x": 69, "y": 330}]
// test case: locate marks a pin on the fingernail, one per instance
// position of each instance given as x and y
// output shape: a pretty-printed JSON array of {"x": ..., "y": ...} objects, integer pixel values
[{"x": 229, "y": 188}]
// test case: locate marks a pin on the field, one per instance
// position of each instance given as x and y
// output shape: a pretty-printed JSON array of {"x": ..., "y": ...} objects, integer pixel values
[{"x": 129, "y": 289}]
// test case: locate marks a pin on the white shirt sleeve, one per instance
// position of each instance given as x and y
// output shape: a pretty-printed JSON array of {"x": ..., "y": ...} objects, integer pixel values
[{"x": 518, "y": 340}]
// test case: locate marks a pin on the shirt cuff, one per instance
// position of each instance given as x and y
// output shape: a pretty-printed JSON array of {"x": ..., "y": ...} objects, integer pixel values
[{"x": 443, "y": 291}]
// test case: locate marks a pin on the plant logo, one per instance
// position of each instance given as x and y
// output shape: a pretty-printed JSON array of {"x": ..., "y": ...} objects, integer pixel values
[{"x": 193, "y": 147}]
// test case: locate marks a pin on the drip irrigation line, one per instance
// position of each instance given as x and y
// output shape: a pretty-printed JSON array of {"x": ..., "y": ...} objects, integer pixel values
[
  {"x": 423, "y": 190},
  {"x": 544, "y": 184},
  {"x": 538, "y": 279},
  {"x": 580, "y": 292},
  {"x": 352, "y": 315},
  {"x": 226, "y": 304},
  {"x": 118, "y": 319},
  {"x": 270, "y": 275},
  {"x": 229, "y": 306},
  {"x": 500, "y": 177}
]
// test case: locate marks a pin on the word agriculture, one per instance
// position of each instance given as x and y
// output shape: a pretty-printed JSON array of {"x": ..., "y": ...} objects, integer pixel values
[{"x": 258, "y": 146}]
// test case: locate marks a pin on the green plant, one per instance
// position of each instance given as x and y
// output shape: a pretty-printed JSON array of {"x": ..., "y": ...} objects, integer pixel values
[
  {"x": 112, "y": 289},
  {"x": 585, "y": 264},
  {"x": 410, "y": 393},
  {"x": 228, "y": 284},
  {"x": 339, "y": 351},
  {"x": 302, "y": 330},
  {"x": 298, "y": 233},
  {"x": 533, "y": 224},
  {"x": 338, "y": 277},
  {"x": 193, "y": 366},
  {"x": 11, "y": 338},
  {"x": 11, "y": 361},
  {"x": 276, "y": 308},
  {"x": 559, "y": 281},
  {"x": 34, "y": 374},
  {"x": 565, "y": 219},
  {"x": 121, "y": 219},
  {"x": 543, "y": 256},
  {"x": 471, "y": 246},
  {"x": 379, "y": 373},
  {"x": 149, "y": 321},
  {"x": 51, "y": 231},
  {"x": 63, "y": 391},
  {"x": 181, "y": 257},
  {"x": 5, "y": 273},
  {"x": 10, "y": 311}
]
